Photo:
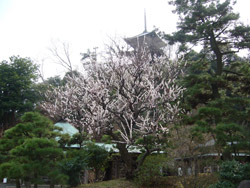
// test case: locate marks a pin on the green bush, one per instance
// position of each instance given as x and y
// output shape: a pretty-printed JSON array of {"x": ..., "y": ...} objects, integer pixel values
[
  {"x": 90, "y": 156},
  {"x": 98, "y": 158},
  {"x": 75, "y": 162},
  {"x": 223, "y": 184},
  {"x": 232, "y": 173},
  {"x": 151, "y": 170},
  {"x": 200, "y": 181}
]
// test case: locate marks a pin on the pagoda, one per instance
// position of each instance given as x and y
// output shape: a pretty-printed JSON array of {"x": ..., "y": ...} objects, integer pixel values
[{"x": 151, "y": 40}]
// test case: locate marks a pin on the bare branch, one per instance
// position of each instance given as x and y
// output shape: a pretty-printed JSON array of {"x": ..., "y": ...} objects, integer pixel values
[{"x": 61, "y": 53}]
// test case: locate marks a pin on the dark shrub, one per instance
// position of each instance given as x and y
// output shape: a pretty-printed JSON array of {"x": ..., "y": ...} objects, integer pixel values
[{"x": 232, "y": 173}]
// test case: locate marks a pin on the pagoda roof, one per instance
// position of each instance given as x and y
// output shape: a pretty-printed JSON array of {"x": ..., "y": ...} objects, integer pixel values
[{"x": 149, "y": 39}]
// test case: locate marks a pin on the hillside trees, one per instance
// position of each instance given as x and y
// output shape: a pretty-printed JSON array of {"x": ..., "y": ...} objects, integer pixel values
[
  {"x": 127, "y": 97},
  {"x": 216, "y": 78},
  {"x": 16, "y": 92}
]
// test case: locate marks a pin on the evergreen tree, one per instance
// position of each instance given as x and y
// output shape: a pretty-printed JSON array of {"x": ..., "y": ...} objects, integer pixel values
[
  {"x": 17, "y": 94},
  {"x": 31, "y": 151},
  {"x": 216, "y": 78}
]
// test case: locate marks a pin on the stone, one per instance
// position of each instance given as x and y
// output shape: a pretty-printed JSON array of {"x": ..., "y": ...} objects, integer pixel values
[{"x": 244, "y": 184}]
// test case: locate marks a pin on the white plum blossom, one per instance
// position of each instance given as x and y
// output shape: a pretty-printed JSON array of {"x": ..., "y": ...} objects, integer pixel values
[{"x": 133, "y": 93}]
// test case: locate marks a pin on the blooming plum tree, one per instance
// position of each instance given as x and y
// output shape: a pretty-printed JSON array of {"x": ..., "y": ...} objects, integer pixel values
[{"x": 132, "y": 98}]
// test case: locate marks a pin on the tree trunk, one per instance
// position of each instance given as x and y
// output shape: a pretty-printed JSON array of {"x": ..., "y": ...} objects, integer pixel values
[
  {"x": 196, "y": 167},
  {"x": 96, "y": 175},
  {"x": 141, "y": 161},
  {"x": 51, "y": 185},
  {"x": 86, "y": 176},
  {"x": 27, "y": 184},
  {"x": 127, "y": 159},
  {"x": 18, "y": 184},
  {"x": 219, "y": 63},
  {"x": 108, "y": 173},
  {"x": 9, "y": 120}
]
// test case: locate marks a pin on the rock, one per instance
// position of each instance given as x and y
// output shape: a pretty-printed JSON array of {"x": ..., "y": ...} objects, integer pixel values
[{"x": 244, "y": 184}]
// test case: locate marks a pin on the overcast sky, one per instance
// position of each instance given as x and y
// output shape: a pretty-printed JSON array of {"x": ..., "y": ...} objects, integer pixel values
[{"x": 27, "y": 27}]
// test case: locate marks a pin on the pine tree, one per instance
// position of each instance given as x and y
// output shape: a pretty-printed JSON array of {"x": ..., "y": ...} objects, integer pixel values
[
  {"x": 31, "y": 151},
  {"x": 216, "y": 78}
]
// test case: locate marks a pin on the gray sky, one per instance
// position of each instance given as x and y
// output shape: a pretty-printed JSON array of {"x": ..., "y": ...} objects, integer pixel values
[{"x": 29, "y": 26}]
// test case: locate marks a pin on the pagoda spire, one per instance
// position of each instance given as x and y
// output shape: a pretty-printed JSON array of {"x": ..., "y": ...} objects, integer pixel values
[
  {"x": 145, "y": 22},
  {"x": 149, "y": 39}
]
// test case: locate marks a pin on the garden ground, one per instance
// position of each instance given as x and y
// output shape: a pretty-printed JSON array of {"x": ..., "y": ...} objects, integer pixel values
[
  {"x": 122, "y": 183},
  {"x": 201, "y": 181}
]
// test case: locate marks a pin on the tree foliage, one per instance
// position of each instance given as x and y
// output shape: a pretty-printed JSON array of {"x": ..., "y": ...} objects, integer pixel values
[
  {"x": 73, "y": 166},
  {"x": 88, "y": 157},
  {"x": 98, "y": 158},
  {"x": 151, "y": 170},
  {"x": 16, "y": 89},
  {"x": 213, "y": 25},
  {"x": 232, "y": 173},
  {"x": 31, "y": 150},
  {"x": 215, "y": 78}
]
